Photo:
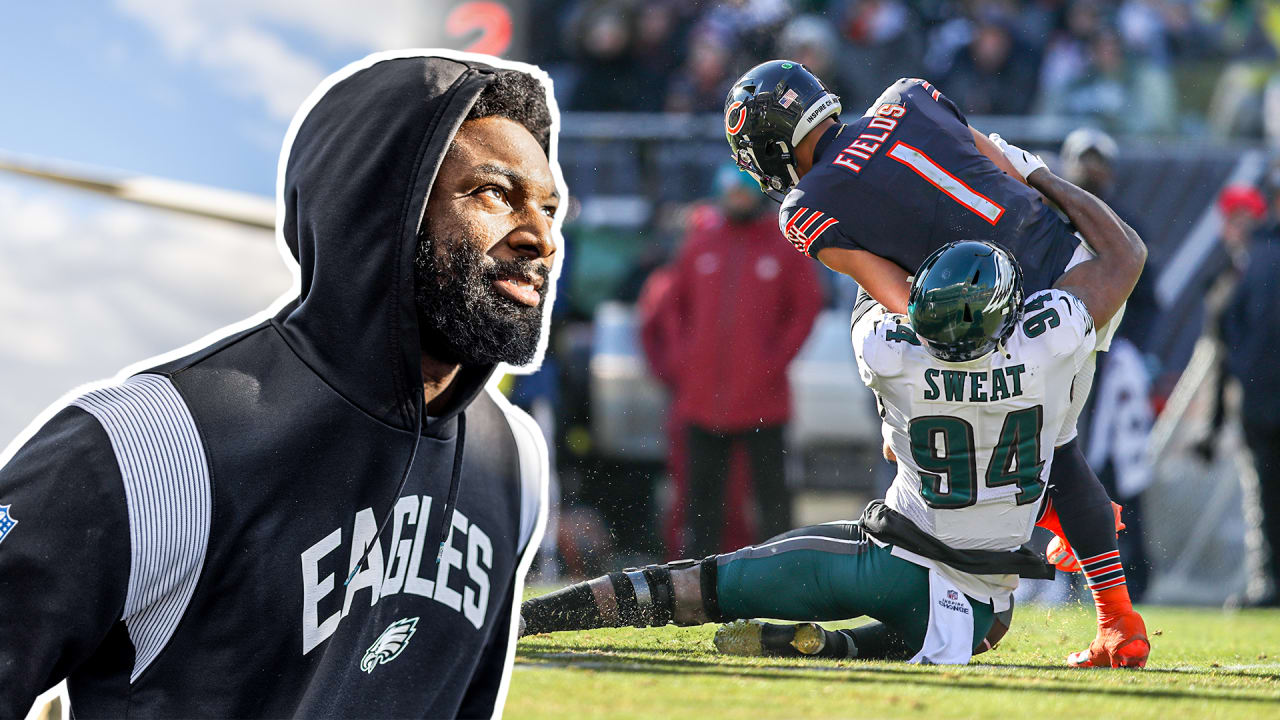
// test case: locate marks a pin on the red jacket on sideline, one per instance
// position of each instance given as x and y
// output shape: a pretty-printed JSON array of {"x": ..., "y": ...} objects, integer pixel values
[{"x": 739, "y": 305}]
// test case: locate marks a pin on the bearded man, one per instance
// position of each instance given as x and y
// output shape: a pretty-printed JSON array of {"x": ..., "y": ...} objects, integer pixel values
[{"x": 327, "y": 513}]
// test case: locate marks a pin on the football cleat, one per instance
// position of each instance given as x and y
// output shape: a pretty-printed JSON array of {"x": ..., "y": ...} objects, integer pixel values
[
  {"x": 1059, "y": 553},
  {"x": 740, "y": 637},
  {"x": 1121, "y": 643},
  {"x": 755, "y": 638},
  {"x": 808, "y": 638}
]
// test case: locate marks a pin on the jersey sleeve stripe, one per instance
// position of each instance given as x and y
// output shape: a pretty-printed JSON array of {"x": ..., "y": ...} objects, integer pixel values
[
  {"x": 812, "y": 218},
  {"x": 169, "y": 497},
  {"x": 818, "y": 233},
  {"x": 936, "y": 175},
  {"x": 794, "y": 219},
  {"x": 532, "y": 453}
]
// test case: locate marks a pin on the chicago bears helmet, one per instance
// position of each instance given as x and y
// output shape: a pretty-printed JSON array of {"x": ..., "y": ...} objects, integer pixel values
[
  {"x": 965, "y": 300},
  {"x": 768, "y": 112}
]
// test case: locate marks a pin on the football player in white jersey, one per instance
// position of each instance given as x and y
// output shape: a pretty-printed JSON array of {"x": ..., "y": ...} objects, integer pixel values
[{"x": 971, "y": 387}]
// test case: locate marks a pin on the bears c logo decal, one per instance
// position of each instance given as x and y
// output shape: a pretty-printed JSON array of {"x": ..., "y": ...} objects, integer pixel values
[{"x": 733, "y": 128}]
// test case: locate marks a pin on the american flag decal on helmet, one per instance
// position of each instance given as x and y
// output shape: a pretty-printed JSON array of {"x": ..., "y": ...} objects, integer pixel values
[
  {"x": 7, "y": 521},
  {"x": 807, "y": 226}
]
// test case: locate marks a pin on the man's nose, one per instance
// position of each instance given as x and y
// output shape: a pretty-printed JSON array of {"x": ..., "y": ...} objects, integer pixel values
[{"x": 533, "y": 238}]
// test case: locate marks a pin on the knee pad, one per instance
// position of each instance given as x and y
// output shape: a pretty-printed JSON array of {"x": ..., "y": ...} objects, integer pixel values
[
  {"x": 645, "y": 595},
  {"x": 710, "y": 598}
]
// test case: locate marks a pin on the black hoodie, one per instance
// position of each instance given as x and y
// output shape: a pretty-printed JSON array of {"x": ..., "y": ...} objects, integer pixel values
[{"x": 177, "y": 544}]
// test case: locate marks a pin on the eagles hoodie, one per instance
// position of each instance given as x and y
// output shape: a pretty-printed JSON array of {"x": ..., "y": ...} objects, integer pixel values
[{"x": 271, "y": 526}]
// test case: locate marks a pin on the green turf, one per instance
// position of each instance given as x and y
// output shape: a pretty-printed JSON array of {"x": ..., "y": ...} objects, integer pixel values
[{"x": 1204, "y": 664}]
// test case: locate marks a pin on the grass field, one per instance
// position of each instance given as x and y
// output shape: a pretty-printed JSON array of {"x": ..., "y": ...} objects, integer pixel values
[{"x": 1204, "y": 664}]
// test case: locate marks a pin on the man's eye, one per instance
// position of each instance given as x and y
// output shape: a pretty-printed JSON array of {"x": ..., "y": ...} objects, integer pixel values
[
  {"x": 550, "y": 211},
  {"x": 492, "y": 192}
]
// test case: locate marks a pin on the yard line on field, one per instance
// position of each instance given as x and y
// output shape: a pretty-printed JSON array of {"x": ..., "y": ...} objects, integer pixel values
[{"x": 1202, "y": 669}]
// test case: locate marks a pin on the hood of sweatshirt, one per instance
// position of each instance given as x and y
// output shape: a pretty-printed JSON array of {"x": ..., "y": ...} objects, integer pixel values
[{"x": 354, "y": 189}]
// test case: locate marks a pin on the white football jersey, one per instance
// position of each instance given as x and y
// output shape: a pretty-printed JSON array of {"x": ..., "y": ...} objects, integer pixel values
[{"x": 975, "y": 440}]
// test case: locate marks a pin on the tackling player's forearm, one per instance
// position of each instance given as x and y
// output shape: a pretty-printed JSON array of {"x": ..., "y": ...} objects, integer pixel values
[{"x": 1103, "y": 283}]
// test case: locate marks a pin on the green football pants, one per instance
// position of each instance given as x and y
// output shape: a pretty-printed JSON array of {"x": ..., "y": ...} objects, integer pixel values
[{"x": 831, "y": 572}]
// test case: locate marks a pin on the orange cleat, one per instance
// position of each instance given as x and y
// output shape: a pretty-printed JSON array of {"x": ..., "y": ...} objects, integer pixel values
[
  {"x": 1121, "y": 642},
  {"x": 1059, "y": 553}
]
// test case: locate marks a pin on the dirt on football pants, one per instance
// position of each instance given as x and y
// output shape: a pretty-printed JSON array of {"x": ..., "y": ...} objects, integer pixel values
[{"x": 832, "y": 572}]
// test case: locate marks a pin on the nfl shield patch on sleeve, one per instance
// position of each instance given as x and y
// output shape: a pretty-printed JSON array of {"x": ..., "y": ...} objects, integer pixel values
[{"x": 7, "y": 521}]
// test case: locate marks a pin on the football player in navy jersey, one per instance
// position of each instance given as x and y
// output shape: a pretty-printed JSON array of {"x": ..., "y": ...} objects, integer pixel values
[{"x": 874, "y": 197}]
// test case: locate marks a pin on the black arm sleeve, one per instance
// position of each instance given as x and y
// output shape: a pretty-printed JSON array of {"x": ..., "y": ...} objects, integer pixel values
[
  {"x": 487, "y": 679},
  {"x": 64, "y": 562}
]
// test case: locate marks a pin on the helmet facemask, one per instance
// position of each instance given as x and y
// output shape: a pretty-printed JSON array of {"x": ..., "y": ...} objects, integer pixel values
[{"x": 768, "y": 171}]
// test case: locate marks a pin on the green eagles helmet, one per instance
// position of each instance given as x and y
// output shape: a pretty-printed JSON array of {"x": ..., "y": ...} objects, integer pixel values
[
  {"x": 768, "y": 112},
  {"x": 966, "y": 299}
]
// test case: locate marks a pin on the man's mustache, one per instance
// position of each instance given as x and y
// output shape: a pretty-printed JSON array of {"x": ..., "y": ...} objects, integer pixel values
[{"x": 532, "y": 271}]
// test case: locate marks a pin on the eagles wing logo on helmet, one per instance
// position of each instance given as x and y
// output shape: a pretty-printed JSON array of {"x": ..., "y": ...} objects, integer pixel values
[
  {"x": 389, "y": 644},
  {"x": 1003, "y": 285}
]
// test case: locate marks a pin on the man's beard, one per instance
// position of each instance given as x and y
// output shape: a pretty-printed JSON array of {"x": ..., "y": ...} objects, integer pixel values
[{"x": 462, "y": 317}]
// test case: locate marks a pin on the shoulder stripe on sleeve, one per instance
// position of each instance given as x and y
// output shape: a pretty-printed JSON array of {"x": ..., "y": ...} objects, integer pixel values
[
  {"x": 800, "y": 236},
  {"x": 167, "y": 489},
  {"x": 531, "y": 447}
]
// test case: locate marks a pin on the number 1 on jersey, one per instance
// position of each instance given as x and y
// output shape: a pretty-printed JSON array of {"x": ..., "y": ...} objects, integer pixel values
[{"x": 949, "y": 184}]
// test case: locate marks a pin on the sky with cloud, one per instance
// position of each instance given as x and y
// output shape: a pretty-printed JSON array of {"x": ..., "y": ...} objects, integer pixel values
[{"x": 184, "y": 89}]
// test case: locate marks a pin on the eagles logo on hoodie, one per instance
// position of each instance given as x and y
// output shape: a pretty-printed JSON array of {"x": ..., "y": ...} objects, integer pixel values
[
  {"x": 389, "y": 644},
  {"x": 201, "y": 538}
]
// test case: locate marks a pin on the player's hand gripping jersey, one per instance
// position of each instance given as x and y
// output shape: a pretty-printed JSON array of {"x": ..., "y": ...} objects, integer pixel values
[
  {"x": 907, "y": 178},
  {"x": 974, "y": 440}
]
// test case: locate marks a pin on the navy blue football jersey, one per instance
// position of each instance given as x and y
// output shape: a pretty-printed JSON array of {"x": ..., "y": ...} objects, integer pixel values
[{"x": 906, "y": 178}]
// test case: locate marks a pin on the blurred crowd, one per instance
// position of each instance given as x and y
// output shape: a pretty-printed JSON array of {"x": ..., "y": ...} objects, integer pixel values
[{"x": 1149, "y": 66}]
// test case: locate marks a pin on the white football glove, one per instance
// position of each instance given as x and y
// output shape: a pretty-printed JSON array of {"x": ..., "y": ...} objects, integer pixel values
[{"x": 1024, "y": 162}]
